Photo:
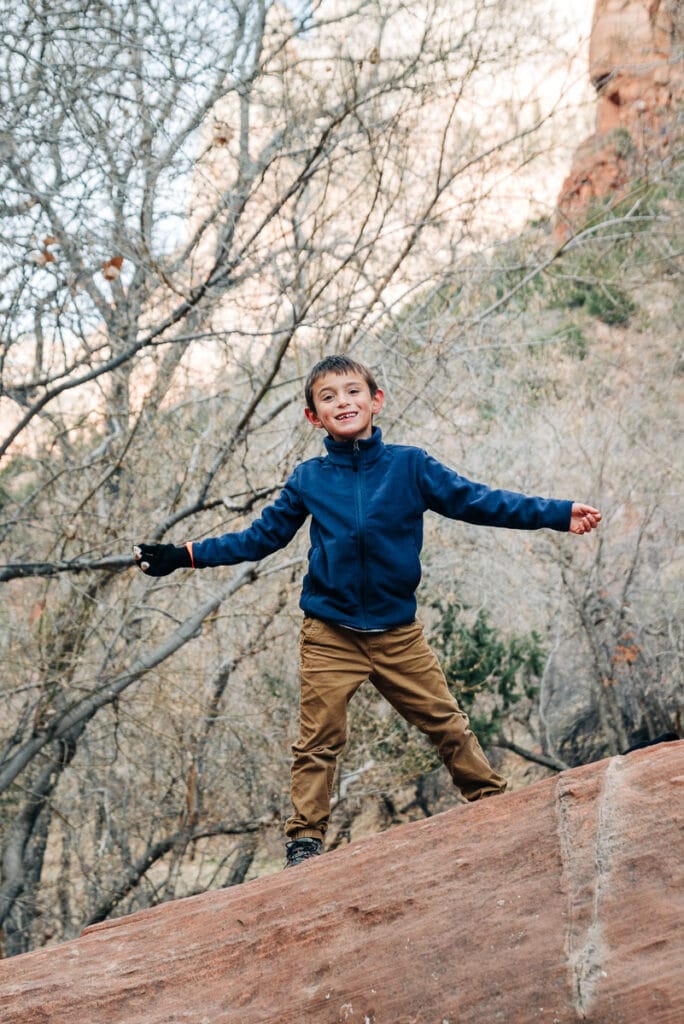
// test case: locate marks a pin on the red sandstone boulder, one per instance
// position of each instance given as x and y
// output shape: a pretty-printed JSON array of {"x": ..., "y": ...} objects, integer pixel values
[
  {"x": 558, "y": 903},
  {"x": 636, "y": 67}
]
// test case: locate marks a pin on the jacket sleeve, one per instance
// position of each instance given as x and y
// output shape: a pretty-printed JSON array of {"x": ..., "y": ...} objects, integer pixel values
[
  {"x": 456, "y": 497},
  {"x": 275, "y": 528}
]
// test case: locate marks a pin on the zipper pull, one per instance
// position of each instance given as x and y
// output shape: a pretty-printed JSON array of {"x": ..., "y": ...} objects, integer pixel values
[{"x": 356, "y": 452}]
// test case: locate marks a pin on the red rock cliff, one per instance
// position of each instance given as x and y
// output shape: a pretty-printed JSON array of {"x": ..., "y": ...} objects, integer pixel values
[
  {"x": 559, "y": 903},
  {"x": 636, "y": 64}
]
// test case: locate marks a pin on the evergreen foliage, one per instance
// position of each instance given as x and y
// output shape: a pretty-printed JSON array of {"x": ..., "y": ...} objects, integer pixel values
[{"x": 487, "y": 671}]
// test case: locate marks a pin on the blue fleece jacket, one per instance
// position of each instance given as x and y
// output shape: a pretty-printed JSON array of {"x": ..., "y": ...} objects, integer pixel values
[{"x": 366, "y": 500}]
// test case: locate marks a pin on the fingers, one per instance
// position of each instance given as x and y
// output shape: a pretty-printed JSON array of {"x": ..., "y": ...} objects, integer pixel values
[
  {"x": 584, "y": 519},
  {"x": 137, "y": 555},
  {"x": 592, "y": 517}
]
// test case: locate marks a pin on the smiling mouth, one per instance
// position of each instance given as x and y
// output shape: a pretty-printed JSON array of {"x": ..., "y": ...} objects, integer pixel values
[{"x": 345, "y": 416}]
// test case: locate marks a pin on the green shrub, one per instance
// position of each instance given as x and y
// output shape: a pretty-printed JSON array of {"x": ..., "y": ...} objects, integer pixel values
[
  {"x": 581, "y": 286},
  {"x": 575, "y": 344},
  {"x": 609, "y": 304},
  {"x": 487, "y": 671}
]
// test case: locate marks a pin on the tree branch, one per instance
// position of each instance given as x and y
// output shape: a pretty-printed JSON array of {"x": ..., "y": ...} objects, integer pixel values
[
  {"x": 85, "y": 709},
  {"x": 20, "y": 570},
  {"x": 138, "y": 869},
  {"x": 544, "y": 759}
]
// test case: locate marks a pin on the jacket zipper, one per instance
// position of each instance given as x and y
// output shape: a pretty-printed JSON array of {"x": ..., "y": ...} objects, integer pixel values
[{"x": 360, "y": 519}]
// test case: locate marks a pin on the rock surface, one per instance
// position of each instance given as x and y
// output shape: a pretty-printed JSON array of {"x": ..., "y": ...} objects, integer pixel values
[
  {"x": 636, "y": 64},
  {"x": 557, "y": 903}
]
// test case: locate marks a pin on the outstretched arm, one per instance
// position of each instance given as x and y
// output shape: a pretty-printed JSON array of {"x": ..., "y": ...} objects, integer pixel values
[
  {"x": 583, "y": 518},
  {"x": 274, "y": 529}
]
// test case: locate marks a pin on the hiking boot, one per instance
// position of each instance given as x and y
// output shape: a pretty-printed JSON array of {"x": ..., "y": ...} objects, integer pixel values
[{"x": 301, "y": 849}]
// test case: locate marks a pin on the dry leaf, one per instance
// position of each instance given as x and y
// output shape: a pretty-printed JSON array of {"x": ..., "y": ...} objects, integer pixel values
[
  {"x": 112, "y": 268},
  {"x": 43, "y": 257},
  {"x": 222, "y": 133}
]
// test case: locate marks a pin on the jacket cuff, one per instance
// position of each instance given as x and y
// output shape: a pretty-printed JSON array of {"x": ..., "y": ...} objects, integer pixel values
[{"x": 564, "y": 517}]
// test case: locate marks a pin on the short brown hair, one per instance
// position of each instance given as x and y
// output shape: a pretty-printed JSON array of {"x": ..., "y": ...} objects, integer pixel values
[{"x": 337, "y": 364}]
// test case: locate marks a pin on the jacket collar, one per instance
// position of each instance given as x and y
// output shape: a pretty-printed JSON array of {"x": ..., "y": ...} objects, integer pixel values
[{"x": 353, "y": 453}]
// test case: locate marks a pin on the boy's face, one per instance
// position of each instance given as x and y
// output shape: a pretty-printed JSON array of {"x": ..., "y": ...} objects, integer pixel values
[{"x": 344, "y": 406}]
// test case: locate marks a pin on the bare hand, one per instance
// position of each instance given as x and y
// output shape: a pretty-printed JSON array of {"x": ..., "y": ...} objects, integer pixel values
[{"x": 584, "y": 518}]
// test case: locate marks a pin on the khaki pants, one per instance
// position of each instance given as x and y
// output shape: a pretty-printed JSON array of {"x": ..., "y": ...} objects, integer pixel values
[{"x": 401, "y": 665}]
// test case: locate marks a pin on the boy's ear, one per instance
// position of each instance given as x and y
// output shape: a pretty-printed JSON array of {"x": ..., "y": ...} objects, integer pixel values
[
  {"x": 377, "y": 400},
  {"x": 312, "y": 417}
]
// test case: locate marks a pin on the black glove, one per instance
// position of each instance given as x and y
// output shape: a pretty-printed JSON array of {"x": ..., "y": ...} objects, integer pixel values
[{"x": 161, "y": 559}]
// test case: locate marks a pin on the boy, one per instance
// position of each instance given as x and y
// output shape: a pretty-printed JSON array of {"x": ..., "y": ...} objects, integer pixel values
[{"x": 366, "y": 501}]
